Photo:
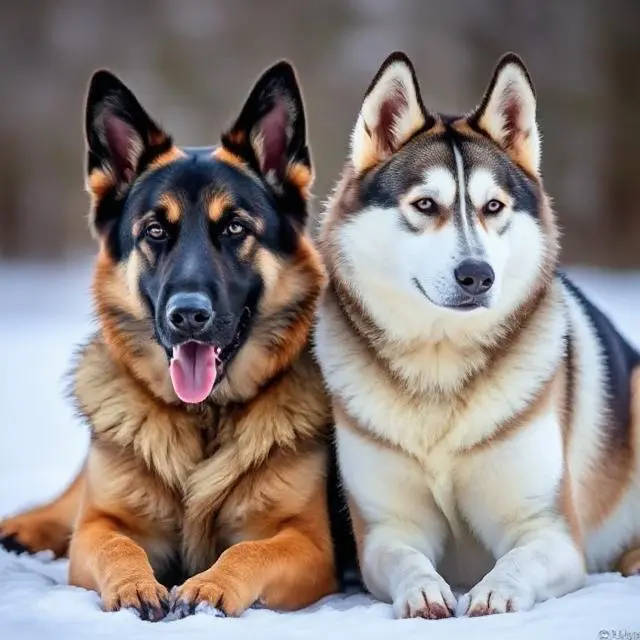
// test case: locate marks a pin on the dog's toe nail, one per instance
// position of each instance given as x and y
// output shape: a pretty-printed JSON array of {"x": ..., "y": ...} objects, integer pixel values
[
  {"x": 181, "y": 608},
  {"x": 11, "y": 543}
]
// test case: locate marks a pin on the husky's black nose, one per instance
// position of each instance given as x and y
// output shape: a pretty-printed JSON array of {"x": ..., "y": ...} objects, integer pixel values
[
  {"x": 189, "y": 314},
  {"x": 474, "y": 276}
]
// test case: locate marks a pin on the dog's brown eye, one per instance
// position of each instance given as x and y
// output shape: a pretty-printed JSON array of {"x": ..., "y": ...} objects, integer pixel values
[
  {"x": 234, "y": 229},
  {"x": 154, "y": 231},
  {"x": 493, "y": 207},
  {"x": 425, "y": 205}
]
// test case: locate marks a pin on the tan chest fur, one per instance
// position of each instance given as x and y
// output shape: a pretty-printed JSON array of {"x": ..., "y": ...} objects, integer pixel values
[{"x": 188, "y": 483}]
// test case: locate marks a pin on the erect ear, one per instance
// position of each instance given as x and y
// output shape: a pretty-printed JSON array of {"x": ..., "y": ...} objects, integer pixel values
[
  {"x": 270, "y": 133},
  {"x": 122, "y": 140},
  {"x": 508, "y": 113},
  {"x": 392, "y": 112}
]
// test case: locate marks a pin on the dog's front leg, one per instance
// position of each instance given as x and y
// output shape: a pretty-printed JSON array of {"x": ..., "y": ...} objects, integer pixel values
[
  {"x": 512, "y": 494},
  {"x": 400, "y": 532},
  {"x": 543, "y": 563},
  {"x": 286, "y": 572},
  {"x": 105, "y": 559},
  {"x": 291, "y": 569}
]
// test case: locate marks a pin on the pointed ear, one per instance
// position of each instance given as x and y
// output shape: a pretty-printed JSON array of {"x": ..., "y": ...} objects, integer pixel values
[
  {"x": 507, "y": 113},
  {"x": 122, "y": 140},
  {"x": 392, "y": 112},
  {"x": 270, "y": 134}
]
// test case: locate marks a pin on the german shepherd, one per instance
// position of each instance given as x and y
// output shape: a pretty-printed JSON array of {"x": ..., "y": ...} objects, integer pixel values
[
  {"x": 488, "y": 415},
  {"x": 210, "y": 425}
]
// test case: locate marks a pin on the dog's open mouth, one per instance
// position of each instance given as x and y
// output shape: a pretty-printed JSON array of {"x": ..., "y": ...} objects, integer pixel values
[
  {"x": 195, "y": 367},
  {"x": 193, "y": 370}
]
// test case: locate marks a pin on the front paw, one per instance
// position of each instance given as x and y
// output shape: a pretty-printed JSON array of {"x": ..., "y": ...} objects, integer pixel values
[
  {"x": 145, "y": 596},
  {"x": 208, "y": 590},
  {"x": 429, "y": 597},
  {"x": 495, "y": 596}
]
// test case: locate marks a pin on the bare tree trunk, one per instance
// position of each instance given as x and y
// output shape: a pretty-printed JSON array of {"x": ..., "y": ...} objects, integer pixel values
[{"x": 621, "y": 213}]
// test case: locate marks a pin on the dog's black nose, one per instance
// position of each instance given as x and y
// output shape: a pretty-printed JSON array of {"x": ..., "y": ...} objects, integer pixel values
[
  {"x": 189, "y": 314},
  {"x": 474, "y": 276}
]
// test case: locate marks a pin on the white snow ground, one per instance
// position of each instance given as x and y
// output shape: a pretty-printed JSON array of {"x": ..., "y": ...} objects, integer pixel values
[{"x": 45, "y": 310}]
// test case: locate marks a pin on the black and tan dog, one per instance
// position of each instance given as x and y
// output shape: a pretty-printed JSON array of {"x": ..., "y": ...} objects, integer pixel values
[{"x": 209, "y": 424}]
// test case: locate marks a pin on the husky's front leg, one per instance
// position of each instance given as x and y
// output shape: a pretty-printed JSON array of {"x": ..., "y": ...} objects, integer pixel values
[
  {"x": 511, "y": 491},
  {"x": 399, "y": 530},
  {"x": 543, "y": 563},
  {"x": 398, "y": 565}
]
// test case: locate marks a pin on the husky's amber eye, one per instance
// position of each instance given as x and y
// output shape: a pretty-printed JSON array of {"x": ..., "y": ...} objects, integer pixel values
[
  {"x": 425, "y": 205},
  {"x": 234, "y": 229},
  {"x": 493, "y": 207},
  {"x": 154, "y": 231}
]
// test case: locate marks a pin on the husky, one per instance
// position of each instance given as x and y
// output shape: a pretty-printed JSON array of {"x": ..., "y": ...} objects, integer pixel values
[
  {"x": 210, "y": 466},
  {"x": 487, "y": 414}
]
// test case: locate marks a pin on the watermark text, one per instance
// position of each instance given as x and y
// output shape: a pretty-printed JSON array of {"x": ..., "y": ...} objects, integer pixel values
[{"x": 618, "y": 634}]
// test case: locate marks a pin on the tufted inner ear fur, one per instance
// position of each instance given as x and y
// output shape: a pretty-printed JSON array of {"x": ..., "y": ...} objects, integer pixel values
[
  {"x": 392, "y": 112},
  {"x": 270, "y": 134},
  {"x": 507, "y": 113}
]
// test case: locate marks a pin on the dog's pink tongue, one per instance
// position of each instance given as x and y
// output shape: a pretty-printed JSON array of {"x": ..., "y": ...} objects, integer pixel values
[{"x": 193, "y": 371}]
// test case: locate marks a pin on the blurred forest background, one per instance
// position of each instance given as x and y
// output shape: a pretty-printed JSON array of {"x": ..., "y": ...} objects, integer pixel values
[{"x": 191, "y": 62}]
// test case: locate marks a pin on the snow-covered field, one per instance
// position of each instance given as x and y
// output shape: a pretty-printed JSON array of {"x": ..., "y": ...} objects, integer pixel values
[{"x": 43, "y": 312}]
